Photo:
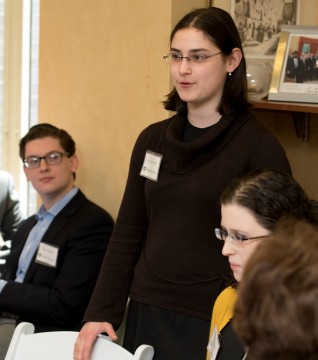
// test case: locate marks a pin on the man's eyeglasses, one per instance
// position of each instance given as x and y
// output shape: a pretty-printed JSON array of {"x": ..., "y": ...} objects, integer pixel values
[
  {"x": 52, "y": 158},
  {"x": 174, "y": 58},
  {"x": 223, "y": 234}
]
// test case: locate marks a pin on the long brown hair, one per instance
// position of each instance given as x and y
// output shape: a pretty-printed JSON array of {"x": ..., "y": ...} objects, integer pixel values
[
  {"x": 276, "y": 314},
  {"x": 220, "y": 28}
]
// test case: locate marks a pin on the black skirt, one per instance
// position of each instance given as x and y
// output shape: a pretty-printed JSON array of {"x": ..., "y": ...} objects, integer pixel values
[{"x": 174, "y": 336}]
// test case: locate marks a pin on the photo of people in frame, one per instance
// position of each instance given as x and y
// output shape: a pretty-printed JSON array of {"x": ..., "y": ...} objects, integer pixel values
[
  {"x": 260, "y": 21},
  {"x": 302, "y": 60}
]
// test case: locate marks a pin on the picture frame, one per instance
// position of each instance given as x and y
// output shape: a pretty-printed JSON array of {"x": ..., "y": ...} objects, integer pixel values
[
  {"x": 259, "y": 23},
  {"x": 292, "y": 77}
]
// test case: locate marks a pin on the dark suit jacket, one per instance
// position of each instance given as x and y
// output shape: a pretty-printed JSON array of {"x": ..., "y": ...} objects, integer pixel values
[
  {"x": 56, "y": 298},
  {"x": 10, "y": 213}
]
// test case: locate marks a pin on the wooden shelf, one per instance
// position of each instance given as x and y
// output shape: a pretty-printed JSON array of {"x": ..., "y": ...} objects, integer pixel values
[
  {"x": 299, "y": 111},
  {"x": 265, "y": 104}
]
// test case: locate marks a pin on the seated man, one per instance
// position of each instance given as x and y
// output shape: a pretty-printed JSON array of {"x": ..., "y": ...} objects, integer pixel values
[
  {"x": 10, "y": 213},
  {"x": 57, "y": 253}
]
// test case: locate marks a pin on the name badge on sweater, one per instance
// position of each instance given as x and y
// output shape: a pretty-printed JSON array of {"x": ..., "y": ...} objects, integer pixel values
[
  {"x": 47, "y": 255},
  {"x": 214, "y": 344},
  {"x": 150, "y": 167}
]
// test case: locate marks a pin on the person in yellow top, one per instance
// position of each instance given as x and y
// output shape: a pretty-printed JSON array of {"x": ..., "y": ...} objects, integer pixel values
[{"x": 250, "y": 207}]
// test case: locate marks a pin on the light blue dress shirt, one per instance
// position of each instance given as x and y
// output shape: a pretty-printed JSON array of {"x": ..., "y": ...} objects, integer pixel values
[{"x": 44, "y": 219}]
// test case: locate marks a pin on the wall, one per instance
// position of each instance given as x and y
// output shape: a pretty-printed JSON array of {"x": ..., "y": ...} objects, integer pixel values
[
  {"x": 102, "y": 78},
  {"x": 181, "y": 7}
]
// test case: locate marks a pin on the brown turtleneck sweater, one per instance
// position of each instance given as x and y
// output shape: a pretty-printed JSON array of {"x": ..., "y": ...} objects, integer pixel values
[{"x": 163, "y": 251}]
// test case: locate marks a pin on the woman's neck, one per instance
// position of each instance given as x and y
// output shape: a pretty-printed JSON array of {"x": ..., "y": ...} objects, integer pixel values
[{"x": 202, "y": 118}]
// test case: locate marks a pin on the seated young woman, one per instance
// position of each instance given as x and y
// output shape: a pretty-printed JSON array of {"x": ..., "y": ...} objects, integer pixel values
[{"x": 250, "y": 208}]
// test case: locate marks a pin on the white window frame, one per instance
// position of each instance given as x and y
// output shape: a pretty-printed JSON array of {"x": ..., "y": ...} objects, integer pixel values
[{"x": 16, "y": 90}]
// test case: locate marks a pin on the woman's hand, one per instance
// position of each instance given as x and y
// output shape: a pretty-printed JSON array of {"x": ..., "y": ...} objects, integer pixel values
[{"x": 87, "y": 337}]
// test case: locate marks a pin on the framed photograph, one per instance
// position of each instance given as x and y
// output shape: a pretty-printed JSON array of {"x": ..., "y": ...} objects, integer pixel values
[
  {"x": 295, "y": 72},
  {"x": 259, "y": 23}
]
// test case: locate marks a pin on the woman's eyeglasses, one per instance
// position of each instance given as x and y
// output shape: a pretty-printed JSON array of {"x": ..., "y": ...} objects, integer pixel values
[{"x": 223, "y": 234}]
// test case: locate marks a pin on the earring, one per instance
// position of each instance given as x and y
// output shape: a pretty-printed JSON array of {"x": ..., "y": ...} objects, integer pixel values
[{"x": 230, "y": 74}]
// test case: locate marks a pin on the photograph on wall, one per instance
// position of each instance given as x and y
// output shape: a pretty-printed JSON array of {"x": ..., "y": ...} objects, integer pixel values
[
  {"x": 260, "y": 21},
  {"x": 295, "y": 75}
]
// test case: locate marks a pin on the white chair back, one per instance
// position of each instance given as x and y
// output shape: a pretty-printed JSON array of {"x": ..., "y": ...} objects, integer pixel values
[{"x": 58, "y": 345}]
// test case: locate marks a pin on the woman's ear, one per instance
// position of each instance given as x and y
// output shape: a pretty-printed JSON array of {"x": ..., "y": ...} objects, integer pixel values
[{"x": 234, "y": 60}]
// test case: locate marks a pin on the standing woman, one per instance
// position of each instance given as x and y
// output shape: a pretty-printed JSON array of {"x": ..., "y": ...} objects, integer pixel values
[{"x": 161, "y": 254}]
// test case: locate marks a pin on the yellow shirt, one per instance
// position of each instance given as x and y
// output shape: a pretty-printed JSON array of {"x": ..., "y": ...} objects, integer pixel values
[{"x": 222, "y": 311}]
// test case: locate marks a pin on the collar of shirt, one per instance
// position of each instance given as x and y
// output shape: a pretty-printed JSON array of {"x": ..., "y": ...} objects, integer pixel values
[
  {"x": 44, "y": 220},
  {"x": 56, "y": 208}
]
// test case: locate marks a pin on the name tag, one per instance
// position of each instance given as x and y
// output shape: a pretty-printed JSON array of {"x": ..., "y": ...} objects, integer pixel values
[
  {"x": 214, "y": 344},
  {"x": 150, "y": 167},
  {"x": 47, "y": 255}
]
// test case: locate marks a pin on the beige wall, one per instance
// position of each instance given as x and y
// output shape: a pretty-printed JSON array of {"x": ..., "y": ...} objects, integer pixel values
[{"x": 102, "y": 78}]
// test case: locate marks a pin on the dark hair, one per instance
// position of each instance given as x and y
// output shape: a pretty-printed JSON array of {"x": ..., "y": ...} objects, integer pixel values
[
  {"x": 276, "y": 313},
  {"x": 220, "y": 28},
  {"x": 47, "y": 130},
  {"x": 270, "y": 195}
]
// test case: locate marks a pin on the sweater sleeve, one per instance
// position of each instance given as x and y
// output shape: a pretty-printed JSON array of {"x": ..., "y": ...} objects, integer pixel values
[
  {"x": 267, "y": 152},
  {"x": 111, "y": 292}
]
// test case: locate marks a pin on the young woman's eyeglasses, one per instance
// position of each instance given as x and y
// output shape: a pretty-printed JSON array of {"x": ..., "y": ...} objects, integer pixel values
[
  {"x": 52, "y": 158},
  {"x": 223, "y": 234},
  {"x": 174, "y": 58}
]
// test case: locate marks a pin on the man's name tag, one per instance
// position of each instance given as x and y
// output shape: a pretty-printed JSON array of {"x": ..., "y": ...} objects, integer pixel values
[
  {"x": 47, "y": 255},
  {"x": 214, "y": 344},
  {"x": 150, "y": 167}
]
